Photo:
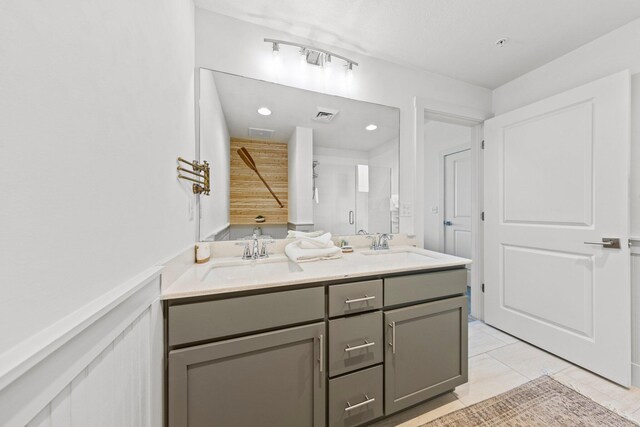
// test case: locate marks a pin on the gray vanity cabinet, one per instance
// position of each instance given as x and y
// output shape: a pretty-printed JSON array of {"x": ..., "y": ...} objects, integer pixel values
[
  {"x": 426, "y": 351},
  {"x": 270, "y": 379}
]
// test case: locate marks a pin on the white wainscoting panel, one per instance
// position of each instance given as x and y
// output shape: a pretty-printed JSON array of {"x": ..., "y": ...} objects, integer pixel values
[
  {"x": 113, "y": 390},
  {"x": 107, "y": 371}
]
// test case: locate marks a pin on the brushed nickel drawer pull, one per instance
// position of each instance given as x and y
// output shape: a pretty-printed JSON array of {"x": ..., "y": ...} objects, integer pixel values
[
  {"x": 321, "y": 356},
  {"x": 351, "y": 407},
  {"x": 358, "y": 347},
  {"x": 366, "y": 298},
  {"x": 393, "y": 337}
]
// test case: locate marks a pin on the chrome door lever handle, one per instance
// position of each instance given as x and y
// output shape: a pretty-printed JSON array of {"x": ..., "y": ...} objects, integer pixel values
[
  {"x": 607, "y": 242},
  {"x": 447, "y": 223}
]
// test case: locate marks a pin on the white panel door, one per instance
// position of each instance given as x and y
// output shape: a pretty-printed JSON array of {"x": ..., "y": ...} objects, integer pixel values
[
  {"x": 457, "y": 203},
  {"x": 556, "y": 176}
]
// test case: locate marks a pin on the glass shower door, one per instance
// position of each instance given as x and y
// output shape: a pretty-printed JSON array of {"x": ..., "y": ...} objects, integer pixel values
[{"x": 336, "y": 207}]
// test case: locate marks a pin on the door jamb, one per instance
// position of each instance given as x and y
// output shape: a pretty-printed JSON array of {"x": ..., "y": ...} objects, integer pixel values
[{"x": 458, "y": 114}]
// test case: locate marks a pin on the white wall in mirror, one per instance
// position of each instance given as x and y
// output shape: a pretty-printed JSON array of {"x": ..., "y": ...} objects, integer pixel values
[
  {"x": 301, "y": 176},
  {"x": 237, "y": 47},
  {"x": 214, "y": 147}
]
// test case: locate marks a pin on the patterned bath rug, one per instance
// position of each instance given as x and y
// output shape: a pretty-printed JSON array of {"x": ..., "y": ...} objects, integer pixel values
[{"x": 543, "y": 402}]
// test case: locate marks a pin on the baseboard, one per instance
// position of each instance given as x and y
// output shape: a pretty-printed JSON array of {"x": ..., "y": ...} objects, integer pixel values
[
  {"x": 37, "y": 370},
  {"x": 635, "y": 375}
]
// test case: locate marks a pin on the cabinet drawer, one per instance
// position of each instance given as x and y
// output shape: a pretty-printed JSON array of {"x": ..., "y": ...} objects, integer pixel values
[
  {"x": 356, "y": 398},
  {"x": 219, "y": 318},
  {"x": 420, "y": 287},
  {"x": 355, "y": 297},
  {"x": 355, "y": 342}
]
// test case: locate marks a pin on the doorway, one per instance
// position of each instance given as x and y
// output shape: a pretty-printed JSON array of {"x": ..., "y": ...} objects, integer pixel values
[
  {"x": 442, "y": 130},
  {"x": 447, "y": 196}
]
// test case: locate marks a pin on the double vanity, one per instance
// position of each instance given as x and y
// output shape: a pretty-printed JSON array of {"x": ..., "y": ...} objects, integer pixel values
[{"x": 341, "y": 342}]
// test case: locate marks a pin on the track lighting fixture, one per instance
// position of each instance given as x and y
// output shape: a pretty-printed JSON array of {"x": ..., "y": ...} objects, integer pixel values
[
  {"x": 313, "y": 55},
  {"x": 350, "y": 69}
]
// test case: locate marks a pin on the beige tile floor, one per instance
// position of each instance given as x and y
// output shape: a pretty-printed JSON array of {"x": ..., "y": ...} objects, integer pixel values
[{"x": 499, "y": 362}]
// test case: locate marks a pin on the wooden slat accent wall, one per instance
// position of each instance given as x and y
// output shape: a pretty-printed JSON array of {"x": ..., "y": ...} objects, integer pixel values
[{"x": 249, "y": 196}]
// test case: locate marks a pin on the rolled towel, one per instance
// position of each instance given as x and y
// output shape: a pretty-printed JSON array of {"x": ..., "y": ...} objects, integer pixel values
[
  {"x": 319, "y": 242},
  {"x": 297, "y": 254},
  {"x": 294, "y": 233}
]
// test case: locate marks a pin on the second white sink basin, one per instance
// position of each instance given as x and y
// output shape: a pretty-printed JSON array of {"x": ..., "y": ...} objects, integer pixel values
[{"x": 392, "y": 256}]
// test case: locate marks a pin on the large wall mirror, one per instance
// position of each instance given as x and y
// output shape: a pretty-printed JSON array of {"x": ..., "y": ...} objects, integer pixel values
[{"x": 284, "y": 159}]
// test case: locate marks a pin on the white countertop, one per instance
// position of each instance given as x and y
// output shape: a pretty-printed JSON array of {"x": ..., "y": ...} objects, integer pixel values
[{"x": 232, "y": 274}]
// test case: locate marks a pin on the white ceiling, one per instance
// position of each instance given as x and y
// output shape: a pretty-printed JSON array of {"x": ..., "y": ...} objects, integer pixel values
[
  {"x": 455, "y": 38},
  {"x": 290, "y": 107}
]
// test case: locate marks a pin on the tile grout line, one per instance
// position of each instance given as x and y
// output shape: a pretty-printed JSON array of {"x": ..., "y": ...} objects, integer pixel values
[{"x": 509, "y": 367}]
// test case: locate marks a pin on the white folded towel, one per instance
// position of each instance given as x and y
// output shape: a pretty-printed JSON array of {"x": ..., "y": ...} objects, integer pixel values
[
  {"x": 293, "y": 233},
  {"x": 298, "y": 254},
  {"x": 319, "y": 242}
]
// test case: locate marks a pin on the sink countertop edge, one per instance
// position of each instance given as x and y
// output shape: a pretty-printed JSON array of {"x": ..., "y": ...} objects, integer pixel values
[{"x": 191, "y": 283}]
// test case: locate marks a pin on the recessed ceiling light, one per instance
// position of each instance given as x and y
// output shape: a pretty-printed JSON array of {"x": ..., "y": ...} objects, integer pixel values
[
  {"x": 371, "y": 127},
  {"x": 264, "y": 111}
]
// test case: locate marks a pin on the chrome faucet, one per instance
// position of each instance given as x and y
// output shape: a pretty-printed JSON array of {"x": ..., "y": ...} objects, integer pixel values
[
  {"x": 380, "y": 241},
  {"x": 253, "y": 250}
]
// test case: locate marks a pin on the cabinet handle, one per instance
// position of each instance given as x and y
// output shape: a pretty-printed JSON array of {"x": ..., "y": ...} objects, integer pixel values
[
  {"x": 393, "y": 337},
  {"x": 358, "y": 347},
  {"x": 365, "y": 298},
  {"x": 351, "y": 217},
  {"x": 321, "y": 357},
  {"x": 351, "y": 407}
]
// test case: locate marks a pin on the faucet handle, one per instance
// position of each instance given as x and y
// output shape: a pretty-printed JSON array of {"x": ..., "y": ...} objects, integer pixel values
[
  {"x": 264, "y": 253},
  {"x": 246, "y": 254},
  {"x": 375, "y": 244},
  {"x": 384, "y": 240}
]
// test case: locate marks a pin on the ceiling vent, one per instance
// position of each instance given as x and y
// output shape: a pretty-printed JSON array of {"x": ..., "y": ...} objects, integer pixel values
[
  {"x": 261, "y": 133},
  {"x": 325, "y": 115}
]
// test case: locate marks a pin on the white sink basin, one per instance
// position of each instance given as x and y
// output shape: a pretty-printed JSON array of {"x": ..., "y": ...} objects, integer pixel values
[
  {"x": 392, "y": 256},
  {"x": 252, "y": 269}
]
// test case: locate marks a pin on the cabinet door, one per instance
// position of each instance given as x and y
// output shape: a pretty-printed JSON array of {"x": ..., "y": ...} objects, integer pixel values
[
  {"x": 426, "y": 351},
  {"x": 271, "y": 379}
]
